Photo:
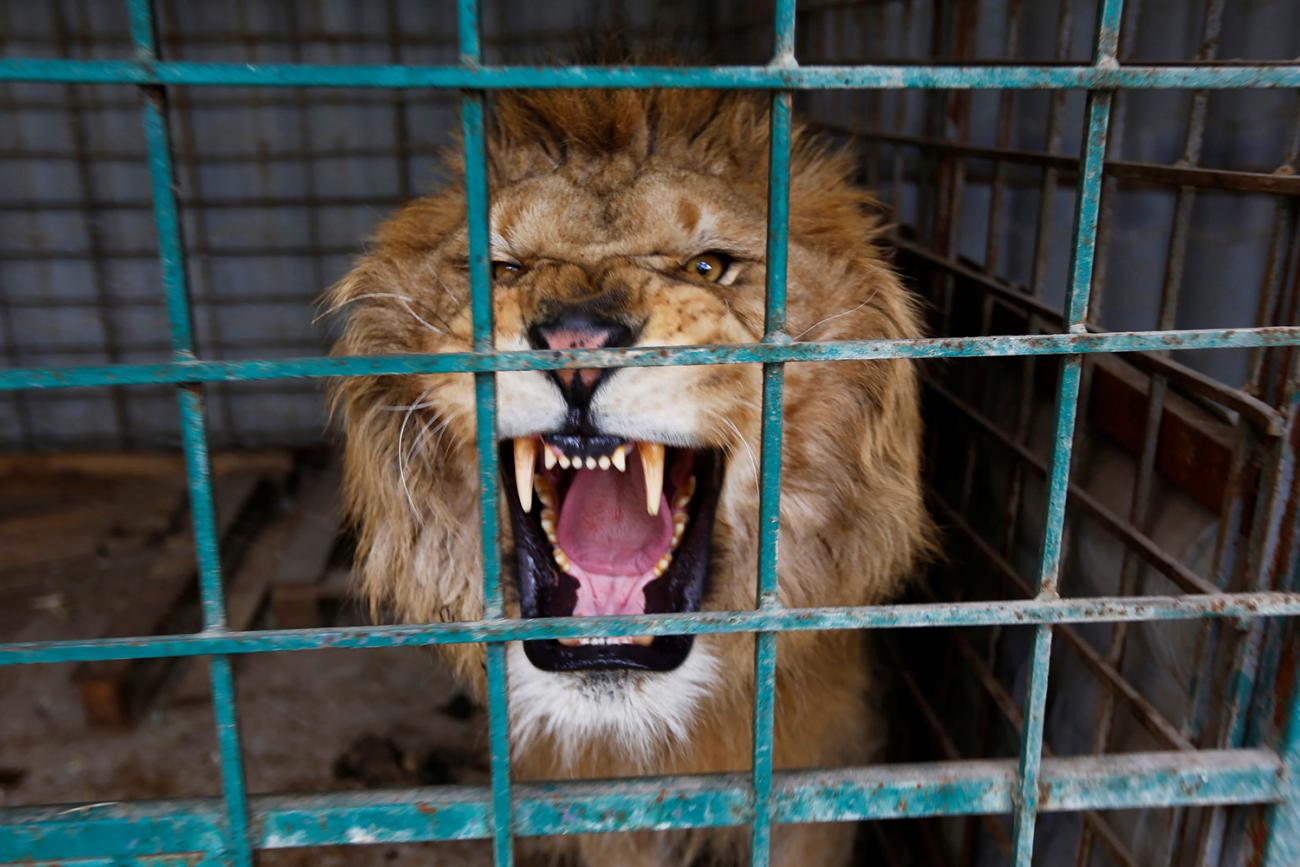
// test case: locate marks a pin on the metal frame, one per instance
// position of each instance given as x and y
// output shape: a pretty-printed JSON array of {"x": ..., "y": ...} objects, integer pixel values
[{"x": 230, "y": 829}]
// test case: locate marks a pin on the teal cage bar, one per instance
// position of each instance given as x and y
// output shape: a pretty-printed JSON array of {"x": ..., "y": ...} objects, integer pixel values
[{"x": 231, "y": 829}]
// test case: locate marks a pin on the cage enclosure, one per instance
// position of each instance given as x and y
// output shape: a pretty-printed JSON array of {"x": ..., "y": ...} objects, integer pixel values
[{"x": 1097, "y": 202}]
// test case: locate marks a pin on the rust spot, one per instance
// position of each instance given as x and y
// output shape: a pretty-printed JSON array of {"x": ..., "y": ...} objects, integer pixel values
[
  {"x": 427, "y": 809},
  {"x": 1286, "y": 666}
]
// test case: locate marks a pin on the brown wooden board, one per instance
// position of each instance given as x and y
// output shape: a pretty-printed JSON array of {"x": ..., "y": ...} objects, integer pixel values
[
  {"x": 246, "y": 592},
  {"x": 113, "y": 690},
  {"x": 295, "y": 594}
]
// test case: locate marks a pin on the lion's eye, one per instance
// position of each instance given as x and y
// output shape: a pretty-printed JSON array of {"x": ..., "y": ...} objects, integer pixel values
[
  {"x": 708, "y": 266},
  {"x": 506, "y": 269}
]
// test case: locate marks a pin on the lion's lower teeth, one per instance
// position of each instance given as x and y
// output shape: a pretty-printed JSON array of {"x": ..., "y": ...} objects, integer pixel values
[{"x": 638, "y": 640}]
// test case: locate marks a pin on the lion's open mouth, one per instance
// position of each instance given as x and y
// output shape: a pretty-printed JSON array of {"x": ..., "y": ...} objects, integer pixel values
[{"x": 604, "y": 525}]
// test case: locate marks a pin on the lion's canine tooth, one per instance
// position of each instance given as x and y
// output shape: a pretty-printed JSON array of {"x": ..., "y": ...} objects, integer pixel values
[
  {"x": 525, "y": 458},
  {"x": 603, "y": 462},
  {"x": 548, "y": 457},
  {"x": 652, "y": 461},
  {"x": 620, "y": 458}
]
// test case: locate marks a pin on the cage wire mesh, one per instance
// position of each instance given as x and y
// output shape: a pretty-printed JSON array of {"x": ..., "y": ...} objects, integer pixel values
[{"x": 1182, "y": 469}]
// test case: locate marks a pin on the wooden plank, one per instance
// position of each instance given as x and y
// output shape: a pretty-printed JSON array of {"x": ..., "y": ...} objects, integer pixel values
[
  {"x": 246, "y": 593},
  {"x": 121, "y": 465},
  {"x": 1194, "y": 450},
  {"x": 295, "y": 592},
  {"x": 113, "y": 689},
  {"x": 47, "y": 536}
]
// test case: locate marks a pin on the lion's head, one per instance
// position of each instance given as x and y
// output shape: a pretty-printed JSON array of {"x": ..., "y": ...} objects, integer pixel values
[{"x": 631, "y": 218}]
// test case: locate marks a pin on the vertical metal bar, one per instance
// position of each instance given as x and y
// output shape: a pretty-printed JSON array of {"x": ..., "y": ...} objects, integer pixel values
[
  {"x": 1140, "y": 501},
  {"x": 485, "y": 398},
  {"x": 1088, "y": 202},
  {"x": 900, "y": 120},
  {"x": 193, "y": 437},
  {"x": 769, "y": 504},
  {"x": 89, "y": 200},
  {"x": 8, "y": 329},
  {"x": 1283, "y": 848},
  {"x": 186, "y": 145},
  {"x": 401, "y": 125},
  {"x": 1228, "y": 558},
  {"x": 1118, "y": 125}
]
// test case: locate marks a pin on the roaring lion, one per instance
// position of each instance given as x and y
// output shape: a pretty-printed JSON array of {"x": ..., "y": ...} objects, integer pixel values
[{"x": 638, "y": 218}]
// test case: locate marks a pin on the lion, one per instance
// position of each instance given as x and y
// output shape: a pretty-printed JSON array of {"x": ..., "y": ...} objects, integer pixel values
[{"x": 639, "y": 218}]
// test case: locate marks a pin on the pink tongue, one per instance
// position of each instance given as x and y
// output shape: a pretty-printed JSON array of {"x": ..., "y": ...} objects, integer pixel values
[{"x": 611, "y": 540}]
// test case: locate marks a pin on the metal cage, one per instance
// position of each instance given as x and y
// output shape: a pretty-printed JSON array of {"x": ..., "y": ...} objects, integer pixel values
[{"x": 1240, "y": 599}]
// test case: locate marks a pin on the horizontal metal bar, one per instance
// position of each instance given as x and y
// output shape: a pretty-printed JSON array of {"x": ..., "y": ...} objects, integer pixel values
[
  {"x": 134, "y": 829},
  {"x": 648, "y": 356},
  {"x": 1056, "y": 77},
  {"x": 1133, "y": 539},
  {"x": 1014, "y": 612},
  {"x": 1266, "y": 417},
  {"x": 1145, "y": 712},
  {"x": 1277, "y": 182}
]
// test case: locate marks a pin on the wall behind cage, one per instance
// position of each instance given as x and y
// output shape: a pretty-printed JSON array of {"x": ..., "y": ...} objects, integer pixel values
[{"x": 279, "y": 189}]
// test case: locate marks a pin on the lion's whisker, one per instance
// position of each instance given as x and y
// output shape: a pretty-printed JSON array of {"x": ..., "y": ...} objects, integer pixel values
[
  {"x": 401, "y": 464},
  {"x": 749, "y": 450},
  {"x": 820, "y": 322},
  {"x": 406, "y": 302},
  {"x": 424, "y": 404}
]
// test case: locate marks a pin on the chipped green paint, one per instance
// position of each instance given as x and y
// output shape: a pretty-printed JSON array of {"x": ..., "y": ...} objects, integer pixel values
[
  {"x": 1015, "y": 612},
  {"x": 776, "y": 77},
  {"x": 141, "y": 829},
  {"x": 646, "y": 356}
]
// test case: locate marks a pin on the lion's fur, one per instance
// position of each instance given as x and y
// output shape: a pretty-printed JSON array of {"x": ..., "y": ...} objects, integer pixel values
[{"x": 609, "y": 191}]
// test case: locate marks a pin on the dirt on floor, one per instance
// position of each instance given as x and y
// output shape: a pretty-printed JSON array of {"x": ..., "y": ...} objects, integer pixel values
[{"x": 318, "y": 721}]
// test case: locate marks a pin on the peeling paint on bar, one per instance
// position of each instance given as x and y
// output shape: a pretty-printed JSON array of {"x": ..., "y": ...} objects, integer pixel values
[
  {"x": 647, "y": 356},
  {"x": 775, "y": 77},
  {"x": 1016, "y": 612},
  {"x": 1129, "y": 781}
]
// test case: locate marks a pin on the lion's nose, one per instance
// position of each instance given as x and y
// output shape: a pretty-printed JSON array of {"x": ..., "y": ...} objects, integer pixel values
[{"x": 578, "y": 328}]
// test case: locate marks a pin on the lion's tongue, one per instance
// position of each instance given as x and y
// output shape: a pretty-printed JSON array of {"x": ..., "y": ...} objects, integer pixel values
[{"x": 612, "y": 542}]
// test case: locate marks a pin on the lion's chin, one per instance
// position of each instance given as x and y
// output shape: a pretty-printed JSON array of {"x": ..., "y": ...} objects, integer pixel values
[{"x": 606, "y": 526}]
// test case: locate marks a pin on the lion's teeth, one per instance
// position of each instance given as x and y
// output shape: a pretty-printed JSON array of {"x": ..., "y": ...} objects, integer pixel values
[
  {"x": 564, "y": 461},
  {"x": 603, "y": 462},
  {"x": 620, "y": 458},
  {"x": 604, "y": 640},
  {"x": 545, "y": 492},
  {"x": 548, "y": 525},
  {"x": 662, "y": 566},
  {"x": 560, "y": 557},
  {"x": 591, "y": 463},
  {"x": 548, "y": 457},
  {"x": 683, "y": 497},
  {"x": 525, "y": 458},
  {"x": 652, "y": 462}
]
